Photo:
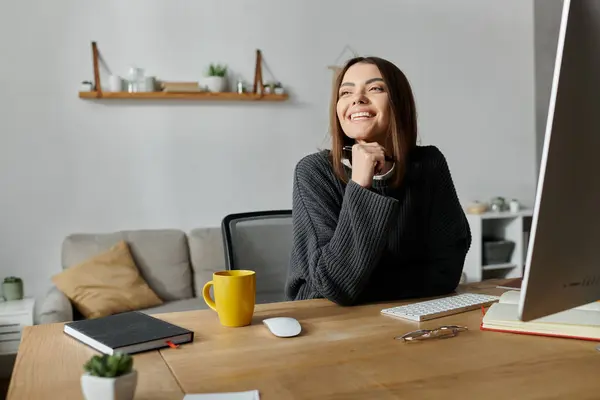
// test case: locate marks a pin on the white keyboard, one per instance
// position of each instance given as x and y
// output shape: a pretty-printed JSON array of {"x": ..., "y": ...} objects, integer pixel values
[{"x": 442, "y": 307}]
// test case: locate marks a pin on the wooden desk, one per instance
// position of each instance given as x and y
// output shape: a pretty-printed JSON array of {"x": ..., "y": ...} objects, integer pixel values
[
  {"x": 49, "y": 365},
  {"x": 343, "y": 353},
  {"x": 350, "y": 353}
]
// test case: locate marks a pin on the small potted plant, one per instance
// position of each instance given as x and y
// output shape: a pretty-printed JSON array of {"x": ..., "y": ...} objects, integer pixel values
[
  {"x": 86, "y": 86},
  {"x": 269, "y": 87},
  {"x": 215, "y": 79},
  {"x": 278, "y": 88},
  {"x": 273, "y": 87},
  {"x": 109, "y": 377},
  {"x": 12, "y": 288}
]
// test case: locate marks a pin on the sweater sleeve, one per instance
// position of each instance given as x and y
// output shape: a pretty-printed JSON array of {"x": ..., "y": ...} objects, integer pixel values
[
  {"x": 449, "y": 237},
  {"x": 336, "y": 245}
]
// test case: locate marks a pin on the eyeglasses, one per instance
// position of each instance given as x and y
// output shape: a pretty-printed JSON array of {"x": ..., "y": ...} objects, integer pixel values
[{"x": 443, "y": 332}]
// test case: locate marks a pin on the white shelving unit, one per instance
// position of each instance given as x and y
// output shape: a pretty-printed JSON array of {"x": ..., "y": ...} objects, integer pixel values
[{"x": 513, "y": 226}]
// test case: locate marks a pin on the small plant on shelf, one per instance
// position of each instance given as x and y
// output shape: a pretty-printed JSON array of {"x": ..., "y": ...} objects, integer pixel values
[
  {"x": 274, "y": 87},
  {"x": 107, "y": 374},
  {"x": 12, "y": 288},
  {"x": 215, "y": 77},
  {"x": 217, "y": 70}
]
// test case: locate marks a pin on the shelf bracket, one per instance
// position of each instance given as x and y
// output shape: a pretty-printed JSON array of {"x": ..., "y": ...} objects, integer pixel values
[
  {"x": 97, "y": 85},
  {"x": 258, "y": 79}
]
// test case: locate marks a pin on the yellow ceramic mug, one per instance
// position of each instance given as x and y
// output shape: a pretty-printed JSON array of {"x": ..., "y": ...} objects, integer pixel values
[{"x": 235, "y": 296}]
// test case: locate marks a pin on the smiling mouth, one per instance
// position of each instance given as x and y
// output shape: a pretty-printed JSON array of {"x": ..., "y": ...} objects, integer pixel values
[{"x": 361, "y": 116}]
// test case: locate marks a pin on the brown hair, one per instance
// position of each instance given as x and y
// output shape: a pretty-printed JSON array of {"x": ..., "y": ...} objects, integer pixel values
[{"x": 403, "y": 122}]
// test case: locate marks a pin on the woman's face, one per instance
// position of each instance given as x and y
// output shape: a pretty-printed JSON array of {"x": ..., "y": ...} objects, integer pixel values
[{"x": 363, "y": 104}]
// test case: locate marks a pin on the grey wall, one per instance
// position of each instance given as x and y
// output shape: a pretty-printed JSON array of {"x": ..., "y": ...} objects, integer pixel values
[{"x": 547, "y": 15}]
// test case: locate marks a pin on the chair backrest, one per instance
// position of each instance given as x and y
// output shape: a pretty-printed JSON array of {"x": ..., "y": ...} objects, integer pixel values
[{"x": 260, "y": 241}]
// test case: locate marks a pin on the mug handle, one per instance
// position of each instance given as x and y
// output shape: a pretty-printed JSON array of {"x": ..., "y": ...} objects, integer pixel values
[{"x": 206, "y": 294}]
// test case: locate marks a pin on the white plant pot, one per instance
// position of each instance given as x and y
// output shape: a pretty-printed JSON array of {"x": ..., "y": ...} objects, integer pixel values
[
  {"x": 119, "y": 388},
  {"x": 215, "y": 83}
]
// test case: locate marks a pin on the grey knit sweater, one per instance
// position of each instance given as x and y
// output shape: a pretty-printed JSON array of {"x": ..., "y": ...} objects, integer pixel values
[{"x": 354, "y": 245}]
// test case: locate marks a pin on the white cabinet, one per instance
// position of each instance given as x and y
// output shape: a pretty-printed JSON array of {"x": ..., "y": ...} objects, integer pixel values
[
  {"x": 14, "y": 316},
  {"x": 508, "y": 226}
]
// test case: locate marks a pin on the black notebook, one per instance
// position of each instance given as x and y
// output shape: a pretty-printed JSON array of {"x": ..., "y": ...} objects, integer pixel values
[{"x": 128, "y": 332}]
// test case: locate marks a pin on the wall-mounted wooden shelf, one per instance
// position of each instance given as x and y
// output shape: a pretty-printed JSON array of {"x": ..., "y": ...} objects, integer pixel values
[
  {"x": 255, "y": 95},
  {"x": 200, "y": 96}
]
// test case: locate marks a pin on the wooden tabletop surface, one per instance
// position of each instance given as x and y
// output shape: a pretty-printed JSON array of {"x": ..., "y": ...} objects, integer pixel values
[
  {"x": 49, "y": 365},
  {"x": 342, "y": 353},
  {"x": 350, "y": 353}
]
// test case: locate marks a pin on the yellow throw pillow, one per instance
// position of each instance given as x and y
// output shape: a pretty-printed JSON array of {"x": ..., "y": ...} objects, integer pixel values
[{"x": 106, "y": 284}]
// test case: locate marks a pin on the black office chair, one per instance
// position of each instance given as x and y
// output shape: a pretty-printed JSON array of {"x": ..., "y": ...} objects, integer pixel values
[{"x": 260, "y": 241}]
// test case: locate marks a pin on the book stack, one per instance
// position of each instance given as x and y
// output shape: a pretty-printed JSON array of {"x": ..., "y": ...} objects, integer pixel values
[
  {"x": 581, "y": 322},
  {"x": 181, "y": 87}
]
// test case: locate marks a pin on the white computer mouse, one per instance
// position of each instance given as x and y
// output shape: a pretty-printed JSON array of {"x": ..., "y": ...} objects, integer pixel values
[{"x": 283, "y": 326}]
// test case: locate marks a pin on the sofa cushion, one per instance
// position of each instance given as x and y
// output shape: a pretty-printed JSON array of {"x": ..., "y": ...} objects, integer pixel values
[
  {"x": 178, "y": 305},
  {"x": 108, "y": 283},
  {"x": 206, "y": 255},
  {"x": 161, "y": 255},
  {"x": 56, "y": 307}
]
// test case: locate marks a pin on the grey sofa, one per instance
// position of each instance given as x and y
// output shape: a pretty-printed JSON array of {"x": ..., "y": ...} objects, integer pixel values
[{"x": 175, "y": 265}]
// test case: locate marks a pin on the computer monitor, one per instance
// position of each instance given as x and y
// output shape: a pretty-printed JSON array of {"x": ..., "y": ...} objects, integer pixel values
[{"x": 562, "y": 269}]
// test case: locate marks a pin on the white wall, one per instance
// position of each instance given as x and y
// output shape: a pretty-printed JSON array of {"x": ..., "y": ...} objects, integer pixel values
[{"x": 72, "y": 165}]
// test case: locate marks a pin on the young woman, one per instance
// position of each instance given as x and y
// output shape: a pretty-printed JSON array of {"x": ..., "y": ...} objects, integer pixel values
[{"x": 381, "y": 220}]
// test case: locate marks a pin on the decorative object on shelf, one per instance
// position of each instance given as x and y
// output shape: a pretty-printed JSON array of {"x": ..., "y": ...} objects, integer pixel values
[
  {"x": 278, "y": 89},
  {"x": 150, "y": 84},
  {"x": 135, "y": 82},
  {"x": 274, "y": 87},
  {"x": 498, "y": 204},
  {"x": 115, "y": 83},
  {"x": 240, "y": 87},
  {"x": 215, "y": 78},
  {"x": 181, "y": 87},
  {"x": 477, "y": 208},
  {"x": 269, "y": 87},
  {"x": 257, "y": 93},
  {"x": 515, "y": 206},
  {"x": 86, "y": 86},
  {"x": 12, "y": 288},
  {"x": 109, "y": 377}
]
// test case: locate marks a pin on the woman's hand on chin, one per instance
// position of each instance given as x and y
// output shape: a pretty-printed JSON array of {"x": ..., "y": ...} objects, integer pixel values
[{"x": 367, "y": 160}]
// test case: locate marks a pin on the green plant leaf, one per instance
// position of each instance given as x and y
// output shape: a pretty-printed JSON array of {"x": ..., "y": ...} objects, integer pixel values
[
  {"x": 109, "y": 366},
  {"x": 113, "y": 366},
  {"x": 217, "y": 70}
]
